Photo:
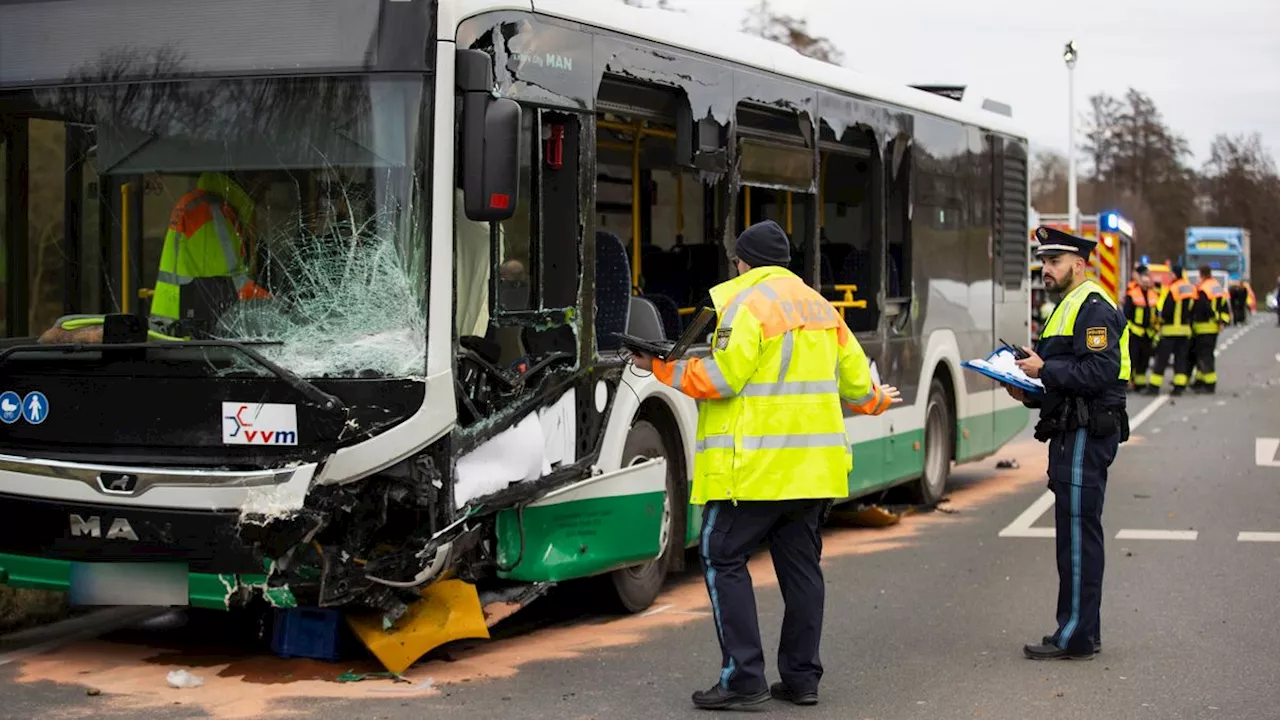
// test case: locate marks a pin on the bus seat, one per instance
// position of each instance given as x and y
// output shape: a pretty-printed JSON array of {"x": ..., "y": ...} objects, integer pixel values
[
  {"x": 613, "y": 289},
  {"x": 644, "y": 321},
  {"x": 669, "y": 311}
]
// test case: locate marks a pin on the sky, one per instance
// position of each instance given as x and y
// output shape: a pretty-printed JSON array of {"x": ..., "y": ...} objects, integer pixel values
[{"x": 1210, "y": 67}]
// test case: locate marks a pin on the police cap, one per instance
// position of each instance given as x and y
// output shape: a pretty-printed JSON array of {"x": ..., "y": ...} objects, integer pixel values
[{"x": 1056, "y": 242}]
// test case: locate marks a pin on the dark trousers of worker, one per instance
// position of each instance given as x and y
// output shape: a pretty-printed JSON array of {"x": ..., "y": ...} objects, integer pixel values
[
  {"x": 1140, "y": 357},
  {"x": 729, "y": 534},
  {"x": 1078, "y": 465},
  {"x": 1202, "y": 347},
  {"x": 1180, "y": 350}
]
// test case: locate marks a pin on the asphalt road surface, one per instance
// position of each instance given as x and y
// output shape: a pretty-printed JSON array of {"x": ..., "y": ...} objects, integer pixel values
[{"x": 925, "y": 619}]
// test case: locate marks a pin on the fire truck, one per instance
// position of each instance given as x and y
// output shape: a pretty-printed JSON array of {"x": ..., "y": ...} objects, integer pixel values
[{"x": 1109, "y": 263}]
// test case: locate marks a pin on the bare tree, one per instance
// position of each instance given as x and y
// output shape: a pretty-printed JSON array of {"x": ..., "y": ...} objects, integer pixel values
[
  {"x": 1240, "y": 188},
  {"x": 794, "y": 32}
]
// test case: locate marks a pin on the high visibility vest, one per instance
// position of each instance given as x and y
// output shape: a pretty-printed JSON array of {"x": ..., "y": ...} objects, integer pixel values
[
  {"x": 205, "y": 240},
  {"x": 770, "y": 424},
  {"x": 1212, "y": 306},
  {"x": 1063, "y": 321},
  {"x": 1175, "y": 309},
  {"x": 1144, "y": 304}
]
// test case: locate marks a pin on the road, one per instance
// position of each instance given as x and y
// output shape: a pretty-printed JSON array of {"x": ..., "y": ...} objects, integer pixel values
[{"x": 925, "y": 619}]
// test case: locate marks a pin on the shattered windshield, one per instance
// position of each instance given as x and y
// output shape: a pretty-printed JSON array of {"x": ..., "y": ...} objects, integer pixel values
[{"x": 288, "y": 212}]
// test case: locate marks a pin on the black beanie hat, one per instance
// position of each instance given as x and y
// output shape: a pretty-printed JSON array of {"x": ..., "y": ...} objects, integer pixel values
[{"x": 763, "y": 244}]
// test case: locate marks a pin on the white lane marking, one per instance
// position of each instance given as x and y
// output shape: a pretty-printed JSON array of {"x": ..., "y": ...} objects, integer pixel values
[
  {"x": 658, "y": 610},
  {"x": 1157, "y": 535},
  {"x": 1258, "y": 537},
  {"x": 1264, "y": 452},
  {"x": 1021, "y": 525}
]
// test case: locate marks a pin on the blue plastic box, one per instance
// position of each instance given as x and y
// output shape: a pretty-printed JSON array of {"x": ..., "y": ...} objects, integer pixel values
[{"x": 314, "y": 633}]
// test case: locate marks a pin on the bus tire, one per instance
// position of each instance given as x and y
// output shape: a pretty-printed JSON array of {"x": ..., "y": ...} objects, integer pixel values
[
  {"x": 636, "y": 587},
  {"x": 939, "y": 446}
]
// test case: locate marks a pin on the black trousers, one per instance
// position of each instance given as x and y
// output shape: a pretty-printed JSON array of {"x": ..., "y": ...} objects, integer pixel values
[
  {"x": 1202, "y": 347},
  {"x": 729, "y": 534},
  {"x": 1180, "y": 349},
  {"x": 1140, "y": 352},
  {"x": 1078, "y": 465}
]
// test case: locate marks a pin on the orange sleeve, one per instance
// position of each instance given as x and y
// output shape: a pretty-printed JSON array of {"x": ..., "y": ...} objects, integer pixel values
[
  {"x": 699, "y": 378},
  {"x": 873, "y": 403}
]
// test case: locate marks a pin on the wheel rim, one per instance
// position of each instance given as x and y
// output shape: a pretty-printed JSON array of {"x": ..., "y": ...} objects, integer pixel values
[
  {"x": 935, "y": 448},
  {"x": 664, "y": 531}
]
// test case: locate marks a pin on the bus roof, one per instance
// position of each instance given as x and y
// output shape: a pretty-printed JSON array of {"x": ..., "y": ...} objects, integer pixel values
[{"x": 737, "y": 47}]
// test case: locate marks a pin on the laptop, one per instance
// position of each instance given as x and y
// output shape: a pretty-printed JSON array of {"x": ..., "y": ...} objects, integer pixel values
[{"x": 667, "y": 350}]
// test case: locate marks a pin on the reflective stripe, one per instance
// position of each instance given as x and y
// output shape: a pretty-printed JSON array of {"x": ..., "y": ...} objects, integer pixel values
[
  {"x": 716, "y": 377},
  {"x": 732, "y": 311},
  {"x": 767, "y": 291},
  {"x": 794, "y": 387},
  {"x": 164, "y": 276},
  {"x": 715, "y": 442},
  {"x": 864, "y": 399},
  {"x": 784, "y": 442},
  {"x": 224, "y": 237},
  {"x": 788, "y": 345},
  {"x": 677, "y": 373}
]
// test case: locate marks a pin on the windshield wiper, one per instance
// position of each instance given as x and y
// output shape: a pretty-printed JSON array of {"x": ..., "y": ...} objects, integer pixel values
[{"x": 327, "y": 402}]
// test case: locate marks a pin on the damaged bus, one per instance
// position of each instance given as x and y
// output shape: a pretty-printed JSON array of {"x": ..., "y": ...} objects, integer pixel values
[{"x": 316, "y": 302}]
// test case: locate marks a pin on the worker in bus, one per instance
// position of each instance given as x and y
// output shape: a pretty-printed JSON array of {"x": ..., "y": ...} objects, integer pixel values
[
  {"x": 1173, "y": 323},
  {"x": 205, "y": 260},
  {"x": 772, "y": 453},
  {"x": 1082, "y": 358},
  {"x": 1139, "y": 306},
  {"x": 1210, "y": 312}
]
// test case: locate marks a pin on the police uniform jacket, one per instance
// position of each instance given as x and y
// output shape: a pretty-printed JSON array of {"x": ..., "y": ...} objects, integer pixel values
[{"x": 1085, "y": 350}]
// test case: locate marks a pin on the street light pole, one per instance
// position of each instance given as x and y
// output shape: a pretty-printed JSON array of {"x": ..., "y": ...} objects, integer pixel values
[{"x": 1069, "y": 55}]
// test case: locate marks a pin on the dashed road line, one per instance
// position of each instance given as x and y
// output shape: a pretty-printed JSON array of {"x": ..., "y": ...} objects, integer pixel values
[
  {"x": 1157, "y": 535},
  {"x": 1264, "y": 452},
  {"x": 1258, "y": 537}
]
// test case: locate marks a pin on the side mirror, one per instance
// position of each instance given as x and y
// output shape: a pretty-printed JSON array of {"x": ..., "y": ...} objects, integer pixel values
[{"x": 490, "y": 142}]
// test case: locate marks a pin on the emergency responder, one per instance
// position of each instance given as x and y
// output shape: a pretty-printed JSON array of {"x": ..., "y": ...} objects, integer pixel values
[
  {"x": 1083, "y": 360},
  {"x": 1173, "y": 322},
  {"x": 771, "y": 455},
  {"x": 1139, "y": 306},
  {"x": 1210, "y": 312},
  {"x": 205, "y": 261}
]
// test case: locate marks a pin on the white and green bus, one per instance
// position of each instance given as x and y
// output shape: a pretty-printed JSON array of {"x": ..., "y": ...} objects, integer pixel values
[{"x": 453, "y": 208}]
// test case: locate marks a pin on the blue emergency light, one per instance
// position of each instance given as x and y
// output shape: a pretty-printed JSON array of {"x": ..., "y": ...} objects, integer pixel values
[{"x": 1111, "y": 221}]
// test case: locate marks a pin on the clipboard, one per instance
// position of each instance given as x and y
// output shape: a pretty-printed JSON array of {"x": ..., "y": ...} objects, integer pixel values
[{"x": 1030, "y": 385}]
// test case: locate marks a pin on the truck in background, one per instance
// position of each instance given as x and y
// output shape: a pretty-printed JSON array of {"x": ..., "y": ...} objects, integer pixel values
[{"x": 1226, "y": 251}]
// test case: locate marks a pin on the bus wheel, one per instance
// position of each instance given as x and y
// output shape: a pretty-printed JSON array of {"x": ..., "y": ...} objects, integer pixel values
[
  {"x": 939, "y": 444},
  {"x": 637, "y": 586}
]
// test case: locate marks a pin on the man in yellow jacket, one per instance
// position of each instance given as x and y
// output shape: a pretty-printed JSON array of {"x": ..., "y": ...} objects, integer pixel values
[{"x": 771, "y": 452}]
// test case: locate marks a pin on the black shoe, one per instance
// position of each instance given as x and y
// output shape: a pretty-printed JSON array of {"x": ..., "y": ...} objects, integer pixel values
[
  {"x": 717, "y": 698},
  {"x": 1053, "y": 652},
  {"x": 1178, "y": 390},
  {"x": 781, "y": 691},
  {"x": 1097, "y": 644}
]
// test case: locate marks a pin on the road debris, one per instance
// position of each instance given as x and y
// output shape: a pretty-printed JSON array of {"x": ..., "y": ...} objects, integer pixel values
[
  {"x": 183, "y": 679},
  {"x": 1010, "y": 464}
]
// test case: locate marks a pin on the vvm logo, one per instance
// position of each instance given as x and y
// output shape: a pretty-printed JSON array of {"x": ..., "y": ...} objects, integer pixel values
[{"x": 260, "y": 425}]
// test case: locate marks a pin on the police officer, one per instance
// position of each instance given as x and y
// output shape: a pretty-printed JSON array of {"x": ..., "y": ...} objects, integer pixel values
[
  {"x": 1083, "y": 360},
  {"x": 771, "y": 454}
]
